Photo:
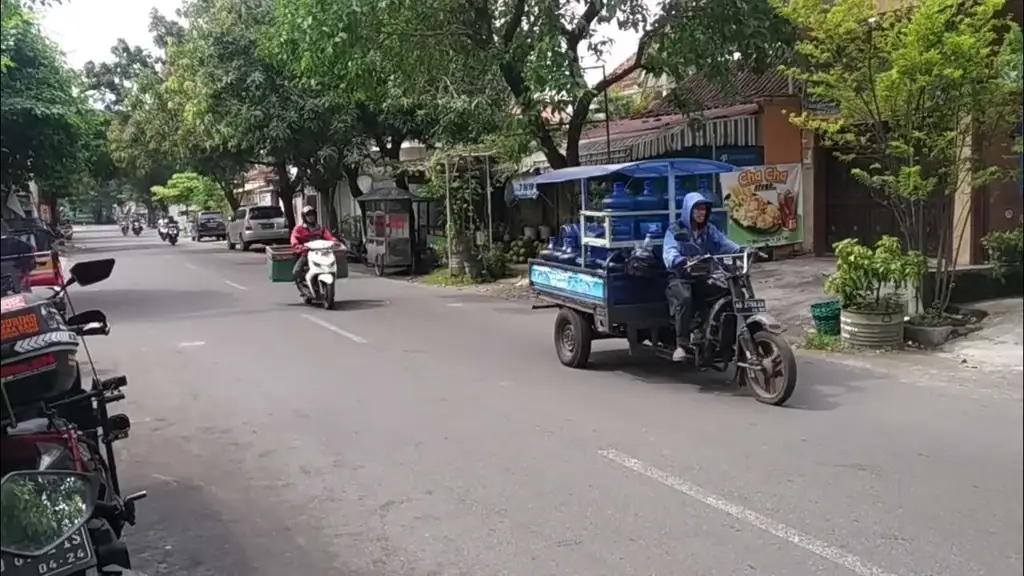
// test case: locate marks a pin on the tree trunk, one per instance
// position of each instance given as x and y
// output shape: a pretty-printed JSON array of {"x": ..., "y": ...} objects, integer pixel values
[
  {"x": 285, "y": 192},
  {"x": 228, "y": 189},
  {"x": 51, "y": 202}
]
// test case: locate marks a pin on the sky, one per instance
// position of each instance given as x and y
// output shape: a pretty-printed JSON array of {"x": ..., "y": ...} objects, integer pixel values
[{"x": 86, "y": 29}]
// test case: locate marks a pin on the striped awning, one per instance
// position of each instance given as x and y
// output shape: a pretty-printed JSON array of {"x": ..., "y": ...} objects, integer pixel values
[
  {"x": 732, "y": 126},
  {"x": 735, "y": 131}
]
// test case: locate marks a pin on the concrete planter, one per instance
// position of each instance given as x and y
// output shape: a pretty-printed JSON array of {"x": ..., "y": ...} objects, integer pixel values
[
  {"x": 869, "y": 329},
  {"x": 927, "y": 336}
]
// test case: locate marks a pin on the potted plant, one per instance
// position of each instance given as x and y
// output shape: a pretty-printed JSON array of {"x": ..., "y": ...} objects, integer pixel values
[{"x": 869, "y": 283}]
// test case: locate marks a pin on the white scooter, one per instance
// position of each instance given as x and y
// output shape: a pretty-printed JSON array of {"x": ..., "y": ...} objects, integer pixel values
[{"x": 322, "y": 273}]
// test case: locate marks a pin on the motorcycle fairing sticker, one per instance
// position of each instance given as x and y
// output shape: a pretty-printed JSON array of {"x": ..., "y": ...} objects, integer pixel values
[
  {"x": 45, "y": 341},
  {"x": 19, "y": 326},
  {"x": 10, "y": 303}
]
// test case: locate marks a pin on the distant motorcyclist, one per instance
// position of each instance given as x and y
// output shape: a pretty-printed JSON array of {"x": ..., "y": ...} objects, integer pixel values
[
  {"x": 307, "y": 230},
  {"x": 692, "y": 235}
]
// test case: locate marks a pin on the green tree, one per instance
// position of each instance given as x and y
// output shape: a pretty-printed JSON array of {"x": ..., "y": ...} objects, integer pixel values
[
  {"x": 43, "y": 123},
  {"x": 194, "y": 191},
  {"x": 521, "y": 56},
  {"x": 918, "y": 94}
]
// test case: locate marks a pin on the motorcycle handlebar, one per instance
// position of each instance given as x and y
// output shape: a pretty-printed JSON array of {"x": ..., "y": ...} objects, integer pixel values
[{"x": 748, "y": 256}]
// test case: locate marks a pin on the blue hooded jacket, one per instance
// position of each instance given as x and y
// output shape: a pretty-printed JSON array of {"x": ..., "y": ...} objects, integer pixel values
[{"x": 709, "y": 239}]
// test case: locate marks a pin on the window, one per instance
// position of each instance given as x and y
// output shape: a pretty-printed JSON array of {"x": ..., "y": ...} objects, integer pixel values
[
  {"x": 240, "y": 214},
  {"x": 265, "y": 212}
]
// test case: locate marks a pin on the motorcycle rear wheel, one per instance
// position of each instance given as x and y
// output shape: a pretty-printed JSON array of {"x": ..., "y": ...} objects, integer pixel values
[{"x": 777, "y": 382}]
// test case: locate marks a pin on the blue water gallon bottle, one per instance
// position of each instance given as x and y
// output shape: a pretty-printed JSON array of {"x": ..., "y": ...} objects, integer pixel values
[
  {"x": 550, "y": 252},
  {"x": 569, "y": 252},
  {"x": 651, "y": 200},
  {"x": 619, "y": 201}
]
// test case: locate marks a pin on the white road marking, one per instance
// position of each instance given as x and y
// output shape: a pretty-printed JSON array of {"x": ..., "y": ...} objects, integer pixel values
[
  {"x": 233, "y": 285},
  {"x": 191, "y": 266},
  {"x": 455, "y": 305},
  {"x": 191, "y": 344},
  {"x": 791, "y": 535},
  {"x": 335, "y": 329}
]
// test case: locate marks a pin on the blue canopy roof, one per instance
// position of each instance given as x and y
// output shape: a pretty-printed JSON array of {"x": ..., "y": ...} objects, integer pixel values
[{"x": 640, "y": 169}]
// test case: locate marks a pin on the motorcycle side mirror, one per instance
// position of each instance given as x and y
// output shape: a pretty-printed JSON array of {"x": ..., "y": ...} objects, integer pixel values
[
  {"x": 91, "y": 272},
  {"x": 87, "y": 317},
  {"x": 42, "y": 508}
]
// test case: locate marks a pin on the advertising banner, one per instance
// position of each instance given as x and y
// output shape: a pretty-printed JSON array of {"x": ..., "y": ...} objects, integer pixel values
[{"x": 764, "y": 205}]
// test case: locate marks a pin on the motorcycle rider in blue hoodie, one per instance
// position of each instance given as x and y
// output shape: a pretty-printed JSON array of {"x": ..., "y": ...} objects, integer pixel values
[{"x": 692, "y": 235}]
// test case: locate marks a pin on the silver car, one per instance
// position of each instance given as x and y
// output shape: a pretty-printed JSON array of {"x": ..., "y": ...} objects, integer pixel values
[{"x": 257, "y": 225}]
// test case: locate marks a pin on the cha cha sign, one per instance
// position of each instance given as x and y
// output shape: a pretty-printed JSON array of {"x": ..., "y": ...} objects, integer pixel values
[{"x": 764, "y": 204}]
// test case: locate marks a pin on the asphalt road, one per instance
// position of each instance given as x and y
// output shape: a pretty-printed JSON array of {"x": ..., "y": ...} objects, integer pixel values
[{"x": 421, "y": 432}]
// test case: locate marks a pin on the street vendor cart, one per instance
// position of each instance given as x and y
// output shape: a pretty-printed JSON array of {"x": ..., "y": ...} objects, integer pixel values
[
  {"x": 607, "y": 280},
  {"x": 391, "y": 240}
]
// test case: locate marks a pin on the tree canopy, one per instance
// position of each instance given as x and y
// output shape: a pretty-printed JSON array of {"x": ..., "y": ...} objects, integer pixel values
[
  {"x": 191, "y": 190},
  {"x": 918, "y": 95},
  {"x": 45, "y": 122},
  {"x": 521, "y": 59}
]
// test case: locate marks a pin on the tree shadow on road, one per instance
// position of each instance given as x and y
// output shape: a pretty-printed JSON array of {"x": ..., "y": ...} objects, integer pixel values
[
  {"x": 812, "y": 392},
  {"x": 148, "y": 304}
]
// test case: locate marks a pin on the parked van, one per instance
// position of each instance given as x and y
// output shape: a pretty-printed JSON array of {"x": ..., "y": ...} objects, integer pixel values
[{"x": 264, "y": 225}]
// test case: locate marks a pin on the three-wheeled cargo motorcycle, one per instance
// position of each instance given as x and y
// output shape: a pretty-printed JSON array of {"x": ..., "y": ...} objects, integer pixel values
[{"x": 606, "y": 284}]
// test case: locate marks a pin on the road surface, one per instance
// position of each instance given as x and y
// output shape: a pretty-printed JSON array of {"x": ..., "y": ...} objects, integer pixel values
[{"x": 423, "y": 432}]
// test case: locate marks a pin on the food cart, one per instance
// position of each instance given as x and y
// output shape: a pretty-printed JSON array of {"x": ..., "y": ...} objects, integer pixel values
[{"x": 390, "y": 232}]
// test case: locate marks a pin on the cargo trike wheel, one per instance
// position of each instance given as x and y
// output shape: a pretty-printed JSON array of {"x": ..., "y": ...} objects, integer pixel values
[
  {"x": 776, "y": 381},
  {"x": 573, "y": 337}
]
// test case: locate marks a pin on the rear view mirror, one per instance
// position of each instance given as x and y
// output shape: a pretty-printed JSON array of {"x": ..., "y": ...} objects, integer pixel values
[
  {"x": 92, "y": 271},
  {"x": 87, "y": 317},
  {"x": 40, "y": 509}
]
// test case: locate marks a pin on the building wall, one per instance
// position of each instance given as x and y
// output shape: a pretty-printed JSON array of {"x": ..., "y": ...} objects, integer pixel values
[{"x": 783, "y": 142}]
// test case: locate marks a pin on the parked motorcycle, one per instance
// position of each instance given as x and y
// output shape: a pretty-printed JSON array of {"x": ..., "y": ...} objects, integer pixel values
[
  {"x": 321, "y": 275},
  {"x": 45, "y": 523},
  {"x": 172, "y": 233},
  {"x": 51, "y": 423}
]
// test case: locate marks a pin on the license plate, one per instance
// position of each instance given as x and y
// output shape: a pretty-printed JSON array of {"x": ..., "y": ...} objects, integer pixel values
[
  {"x": 267, "y": 226},
  {"x": 754, "y": 306},
  {"x": 71, "y": 555}
]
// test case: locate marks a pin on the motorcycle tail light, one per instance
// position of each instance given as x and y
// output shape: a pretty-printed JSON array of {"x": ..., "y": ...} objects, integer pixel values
[{"x": 50, "y": 456}]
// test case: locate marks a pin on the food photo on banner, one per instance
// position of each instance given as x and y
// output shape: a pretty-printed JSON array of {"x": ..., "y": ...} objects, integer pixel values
[{"x": 764, "y": 205}]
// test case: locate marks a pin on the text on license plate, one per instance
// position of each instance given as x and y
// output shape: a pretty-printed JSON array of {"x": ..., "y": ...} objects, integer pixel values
[
  {"x": 754, "y": 306},
  {"x": 267, "y": 226},
  {"x": 72, "y": 555}
]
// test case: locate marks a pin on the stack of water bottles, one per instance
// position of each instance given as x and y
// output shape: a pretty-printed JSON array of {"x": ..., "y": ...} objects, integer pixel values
[{"x": 633, "y": 229}]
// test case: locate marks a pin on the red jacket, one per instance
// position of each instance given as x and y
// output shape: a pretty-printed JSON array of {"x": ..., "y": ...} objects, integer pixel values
[{"x": 302, "y": 234}]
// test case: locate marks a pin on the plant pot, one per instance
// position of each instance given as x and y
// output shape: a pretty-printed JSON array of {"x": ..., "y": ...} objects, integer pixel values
[
  {"x": 929, "y": 337},
  {"x": 871, "y": 329}
]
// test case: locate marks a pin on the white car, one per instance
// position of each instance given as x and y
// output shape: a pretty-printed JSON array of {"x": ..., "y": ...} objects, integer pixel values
[{"x": 257, "y": 225}]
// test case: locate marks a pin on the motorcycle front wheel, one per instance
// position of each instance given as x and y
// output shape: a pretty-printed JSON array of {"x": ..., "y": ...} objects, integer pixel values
[
  {"x": 328, "y": 302},
  {"x": 776, "y": 381}
]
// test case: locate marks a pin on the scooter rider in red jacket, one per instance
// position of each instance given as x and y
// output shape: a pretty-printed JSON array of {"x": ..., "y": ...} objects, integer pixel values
[{"x": 306, "y": 231}]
